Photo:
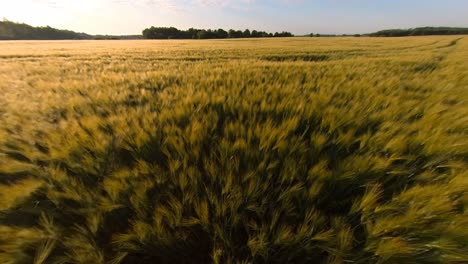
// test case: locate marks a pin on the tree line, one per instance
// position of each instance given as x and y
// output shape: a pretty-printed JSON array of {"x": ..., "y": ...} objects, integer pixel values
[
  {"x": 193, "y": 33},
  {"x": 422, "y": 31},
  {"x": 333, "y": 35},
  {"x": 19, "y": 31}
]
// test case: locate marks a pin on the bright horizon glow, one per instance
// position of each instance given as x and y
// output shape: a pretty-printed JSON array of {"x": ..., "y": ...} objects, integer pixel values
[{"x": 122, "y": 17}]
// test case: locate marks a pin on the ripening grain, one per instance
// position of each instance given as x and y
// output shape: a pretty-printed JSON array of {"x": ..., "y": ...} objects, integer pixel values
[{"x": 300, "y": 150}]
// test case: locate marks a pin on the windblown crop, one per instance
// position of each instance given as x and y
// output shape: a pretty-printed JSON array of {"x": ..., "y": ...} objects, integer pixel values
[{"x": 343, "y": 150}]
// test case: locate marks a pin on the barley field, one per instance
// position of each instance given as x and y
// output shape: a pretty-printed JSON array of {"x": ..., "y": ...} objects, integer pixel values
[{"x": 297, "y": 150}]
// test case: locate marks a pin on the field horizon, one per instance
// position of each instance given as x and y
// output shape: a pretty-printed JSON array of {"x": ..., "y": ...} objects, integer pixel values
[{"x": 20, "y": 31}]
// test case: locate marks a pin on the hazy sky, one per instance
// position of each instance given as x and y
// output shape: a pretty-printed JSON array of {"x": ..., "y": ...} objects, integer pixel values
[{"x": 296, "y": 16}]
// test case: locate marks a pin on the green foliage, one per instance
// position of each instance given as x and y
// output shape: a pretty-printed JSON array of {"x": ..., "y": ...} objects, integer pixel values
[
  {"x": 422, "y": 31},
  {"x": 192, "y": 33},
  {"x": 20, "y": 31},
  {"x": 16, "y": 31},
  {"x": 296, "y": 150}
]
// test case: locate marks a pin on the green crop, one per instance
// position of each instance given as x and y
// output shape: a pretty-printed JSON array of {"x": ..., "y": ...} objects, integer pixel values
[{"x": 297, "y": 150}]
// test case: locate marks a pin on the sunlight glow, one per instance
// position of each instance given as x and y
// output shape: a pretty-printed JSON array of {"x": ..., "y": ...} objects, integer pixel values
[{"x": 296, "y": 16}]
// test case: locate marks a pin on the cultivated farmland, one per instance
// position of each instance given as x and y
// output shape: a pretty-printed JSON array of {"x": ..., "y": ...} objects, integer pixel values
[{"x": 297, "y": 150}]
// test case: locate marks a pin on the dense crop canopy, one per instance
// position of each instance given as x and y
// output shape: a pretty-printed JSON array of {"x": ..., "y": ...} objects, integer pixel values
[{"x": 343, "y": 150}]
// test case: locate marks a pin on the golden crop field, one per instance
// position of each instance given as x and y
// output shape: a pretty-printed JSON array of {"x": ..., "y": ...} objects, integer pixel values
[{"x": 296, "y": 150}]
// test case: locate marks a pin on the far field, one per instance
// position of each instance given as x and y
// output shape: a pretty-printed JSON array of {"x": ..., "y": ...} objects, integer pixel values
[{"x": 295, "y": 150}]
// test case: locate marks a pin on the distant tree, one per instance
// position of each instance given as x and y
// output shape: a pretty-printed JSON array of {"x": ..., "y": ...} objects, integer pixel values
[
  {"x": 235, "y": 33},
  {"x": 221, "y": 33},
  {"x": 246, "y": 34},
  {"x": 422, "y": 31},
  {"x": 202, "y": 34},
  {"x": 254, "y": 34},
  {"x": 11, "y": 31},
  {"x": 193, "y": 33},
  {"x": 231, "y": 33},
  {"x": 284, "y": 34}
]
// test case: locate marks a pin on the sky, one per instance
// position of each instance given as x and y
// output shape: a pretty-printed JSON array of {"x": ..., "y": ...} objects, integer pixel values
[{"x": 120, "y": 17}]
